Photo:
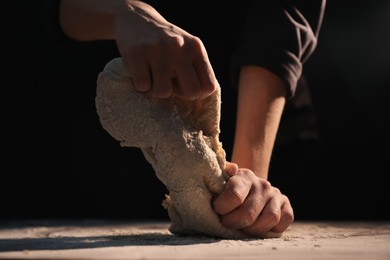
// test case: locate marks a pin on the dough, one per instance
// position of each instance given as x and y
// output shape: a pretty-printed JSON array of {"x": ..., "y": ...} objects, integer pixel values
[{"x": 179, "y": 138}]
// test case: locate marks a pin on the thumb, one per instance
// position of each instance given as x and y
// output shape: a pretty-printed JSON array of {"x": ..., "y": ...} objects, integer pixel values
[{"x": 231, "y": 168}]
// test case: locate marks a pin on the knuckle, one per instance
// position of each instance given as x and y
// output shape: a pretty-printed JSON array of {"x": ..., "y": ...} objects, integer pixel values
[
  {"x": 194, "y": 42},
  {"x": 208, "y": 88},
  {"x": 250, "y": 218},
  {"x": 267, "y": 185},
  {"x": 285, "y": 198},
  {"x": 236, "y": 196},
  {"x": 244, "y": 172},
  {"x": 276, "y": 190},
  {"x": 162, "y": 92},
  {"x": 274, "y": 216},
  {"x": 172, "y": 42},
  {"x": 288, "y": 213},
  {"x": 211, "y": 88},
  {"x": 289, "y": 216},
  {"x": 192, "y": 93},
  {"x": 141, "y": 84}
]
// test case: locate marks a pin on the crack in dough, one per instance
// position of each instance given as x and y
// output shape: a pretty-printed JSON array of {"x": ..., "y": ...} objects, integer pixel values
[{"x": 179, "y": 138}]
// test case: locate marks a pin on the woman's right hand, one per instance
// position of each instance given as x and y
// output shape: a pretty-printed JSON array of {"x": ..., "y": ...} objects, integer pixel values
[{"x": 163, "y": 59}]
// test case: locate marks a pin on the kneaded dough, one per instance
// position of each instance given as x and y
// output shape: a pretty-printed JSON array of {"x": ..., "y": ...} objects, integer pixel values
[{"x": 179, "y": 138}]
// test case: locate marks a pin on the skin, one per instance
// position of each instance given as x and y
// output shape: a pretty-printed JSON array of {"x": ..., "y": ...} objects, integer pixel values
[
  {"x": 249, "y": 201},
  {"x": 166, "y": 60}
]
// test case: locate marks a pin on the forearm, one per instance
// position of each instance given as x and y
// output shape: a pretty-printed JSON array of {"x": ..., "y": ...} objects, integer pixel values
[
  {"x": 261, "y": 100},
  {"x": 88, "y": 20}
]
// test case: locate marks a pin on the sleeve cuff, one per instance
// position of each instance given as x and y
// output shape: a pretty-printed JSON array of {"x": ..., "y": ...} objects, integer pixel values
[{"x": 289, "y": 70}]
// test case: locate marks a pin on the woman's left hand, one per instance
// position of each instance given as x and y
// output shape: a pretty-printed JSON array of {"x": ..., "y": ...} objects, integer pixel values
[{"x": 252, "y": 204}]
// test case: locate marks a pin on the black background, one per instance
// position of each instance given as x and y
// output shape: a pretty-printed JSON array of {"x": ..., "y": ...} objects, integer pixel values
[{"x": 58, "y": 162}]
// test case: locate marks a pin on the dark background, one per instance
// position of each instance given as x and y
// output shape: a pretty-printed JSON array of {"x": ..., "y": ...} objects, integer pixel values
[{"x": 58, "y": 162}]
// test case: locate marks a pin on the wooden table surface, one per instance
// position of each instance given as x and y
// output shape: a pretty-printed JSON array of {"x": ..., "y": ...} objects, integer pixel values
[{"x": 110, "y": 239}]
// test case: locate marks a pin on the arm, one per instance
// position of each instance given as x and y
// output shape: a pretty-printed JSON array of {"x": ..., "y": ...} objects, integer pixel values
[
  {"x": 89, "y": 20},
  {"x": 261, "y": 100},
  {"x": 249, "y": 202},
  {"x": 278, "y": 36},
  {"x": 162, "y": 58}
]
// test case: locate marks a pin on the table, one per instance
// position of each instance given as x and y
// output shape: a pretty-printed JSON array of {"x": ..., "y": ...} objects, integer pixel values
[{"x": 118, "y": 239}]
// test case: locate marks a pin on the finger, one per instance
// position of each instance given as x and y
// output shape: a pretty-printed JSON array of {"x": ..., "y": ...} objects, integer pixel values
[
  {"x": 246, "y": 214},
  {"x": 287, "y": 217},
  {"x": 140, "y": 73},
  {"x": 204, "y": 70},
  {"x": 188, "y": 86},
  {"x": 236, "y": 190},
  {"x": 162, "y": 86},
  {"x": 268, "y": 219},
  {"x": 231, "y": 168}
]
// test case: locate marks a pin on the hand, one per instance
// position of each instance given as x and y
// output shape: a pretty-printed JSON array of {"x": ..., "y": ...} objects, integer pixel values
[
  {"x": 252, "y": 204},
  {"x": 163, "y": 59}
]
